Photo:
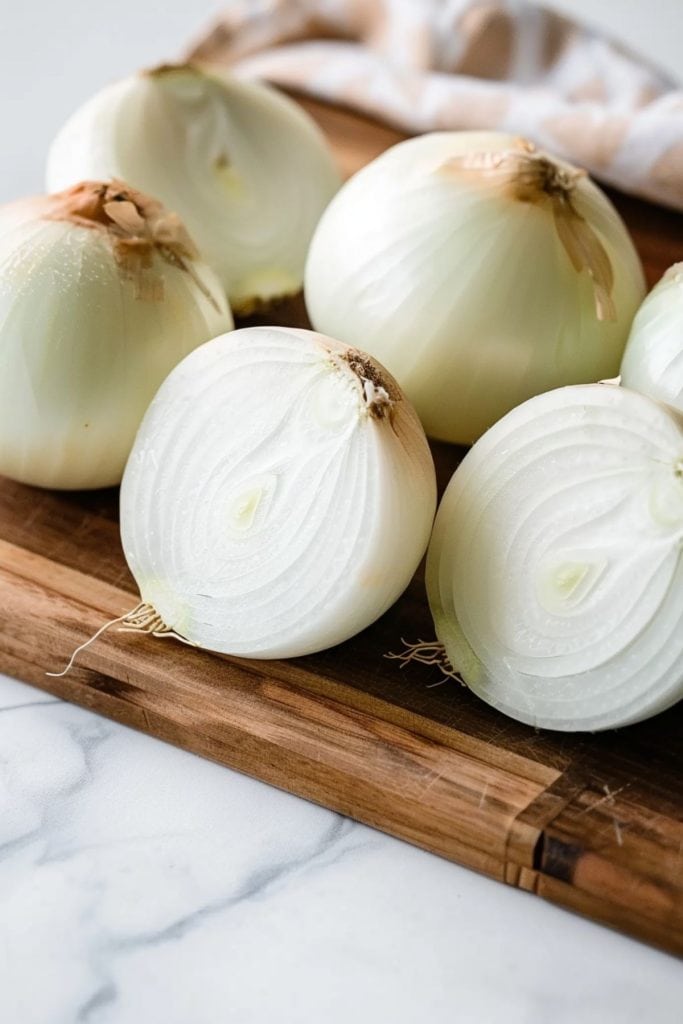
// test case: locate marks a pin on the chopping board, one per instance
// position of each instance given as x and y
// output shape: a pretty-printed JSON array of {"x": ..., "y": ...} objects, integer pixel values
[{"x": 593, "y": 823}]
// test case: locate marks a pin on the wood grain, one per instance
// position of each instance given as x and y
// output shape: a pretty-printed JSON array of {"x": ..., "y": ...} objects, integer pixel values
[{"x": 592, "y": 823}]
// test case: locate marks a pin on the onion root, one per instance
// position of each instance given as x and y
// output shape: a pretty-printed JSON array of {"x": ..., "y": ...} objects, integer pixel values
[{"x": 144, "y": 618}]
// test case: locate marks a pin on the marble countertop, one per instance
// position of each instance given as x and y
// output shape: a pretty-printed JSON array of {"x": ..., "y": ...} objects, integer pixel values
[
  {"x": 143, "y": 885},
  {"x": 140, "y": 884}
]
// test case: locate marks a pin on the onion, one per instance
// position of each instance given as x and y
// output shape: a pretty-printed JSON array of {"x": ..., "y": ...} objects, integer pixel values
[
  {"x": 101, "y": 294},
  {"x": 246, "y": 168},
  {"x": 555, "y": 571},
  {"x": 279, "y": 496},
  {"x": 653, "y": 361},
  {"x": 480, "y": 271}
]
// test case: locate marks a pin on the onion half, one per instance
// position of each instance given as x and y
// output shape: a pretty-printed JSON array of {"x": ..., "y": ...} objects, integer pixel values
[
  {"x": 653, "y": 360},
  {"x": 279, "y": 496},
  {"x": 247, "y": 170},
  {"x": 555, "y": 571}
]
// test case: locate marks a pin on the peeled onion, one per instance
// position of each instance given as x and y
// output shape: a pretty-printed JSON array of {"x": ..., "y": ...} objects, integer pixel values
[
  {"x": 480, "y": 271},
  {"x": 102, "y": 292}
]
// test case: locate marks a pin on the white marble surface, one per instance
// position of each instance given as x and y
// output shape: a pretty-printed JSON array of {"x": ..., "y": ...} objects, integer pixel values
[{"x": 142, "y": 885}]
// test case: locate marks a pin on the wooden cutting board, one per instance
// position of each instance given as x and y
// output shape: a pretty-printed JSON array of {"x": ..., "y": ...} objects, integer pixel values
[{"x": 593, "y": 823}]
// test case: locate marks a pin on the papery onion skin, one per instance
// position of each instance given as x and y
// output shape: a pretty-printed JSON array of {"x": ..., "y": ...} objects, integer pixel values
[
  {"x": 92, "y": 318},
  {"x": 279, "y": 496},
  {"x": 457, "y": 277},
  {"x": 653, "y": 360},
  {"x": 247, "y": 170},
  {"x": 555, "y": 570}
]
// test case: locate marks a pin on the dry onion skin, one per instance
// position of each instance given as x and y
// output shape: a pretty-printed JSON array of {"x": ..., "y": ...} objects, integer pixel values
[
  {"x": 480, "y": 271},
  {"x": 279, "y": 496},
  {"x": 102, "y": 292},
  {"x": 653, "y": 360},
  {"x": 247, "y": 170},
  {"x": 555, "y": 571}
]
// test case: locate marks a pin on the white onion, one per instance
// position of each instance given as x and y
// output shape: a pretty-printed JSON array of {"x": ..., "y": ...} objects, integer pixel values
[
  {"x": 101, "y": 294},
  {"x": 279, "y": 496},
  {"x": 479, "y": 271},
  {"x": 653, "y": 360},
  {"x": 555, "y": 571},
  {"x": 246, "y": 168}
]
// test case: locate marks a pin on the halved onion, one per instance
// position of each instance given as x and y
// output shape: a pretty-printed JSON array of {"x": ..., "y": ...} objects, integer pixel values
[
  {"x": 555, "y": 571},
  {"x": 247, "y": 170},
  {"x": 653, "y": 360},
  {"x": 279, "y": 496}
]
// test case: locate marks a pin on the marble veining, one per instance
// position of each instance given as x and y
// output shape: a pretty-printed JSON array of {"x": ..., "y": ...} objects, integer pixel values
[{"x": 140, "y": 884}]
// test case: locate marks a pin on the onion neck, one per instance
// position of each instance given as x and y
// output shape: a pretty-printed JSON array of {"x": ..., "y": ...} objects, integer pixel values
[
  {"x": 380, "y": 394},
  {"x": 527, "y": 176},
  {"x": 161, "y": 70},
  {"x": 137, "y": 227}
]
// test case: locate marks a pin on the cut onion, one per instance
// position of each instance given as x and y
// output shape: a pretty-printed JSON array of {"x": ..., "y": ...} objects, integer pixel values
[
  {"x": 555, "y": 571},
  {"x": 653, "y": 361},
  {"x": 279, "y": 496},
  {"x": 247, "y": 170}
]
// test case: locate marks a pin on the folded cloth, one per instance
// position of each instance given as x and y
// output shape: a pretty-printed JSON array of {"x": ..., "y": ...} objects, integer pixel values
[{"x": 426, "y": 65}]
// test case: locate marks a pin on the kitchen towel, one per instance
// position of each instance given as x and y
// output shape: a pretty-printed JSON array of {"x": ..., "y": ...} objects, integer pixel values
[{"x": 428, "y": 65}]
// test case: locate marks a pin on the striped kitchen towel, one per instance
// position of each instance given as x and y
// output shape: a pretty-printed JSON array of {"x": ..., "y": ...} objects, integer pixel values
[{"x": 426, "y": 65}]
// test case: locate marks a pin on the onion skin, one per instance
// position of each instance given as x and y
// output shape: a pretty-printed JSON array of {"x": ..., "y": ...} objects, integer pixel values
[
  {"x": 101, "y": 294},
  {"x": 653, "y": 360},
  {"x": 246, "y": 169},
  {"x": 555, "y": 569},
  {"x": 479, "y": 271},
  {"x": 279, "y": 496}
]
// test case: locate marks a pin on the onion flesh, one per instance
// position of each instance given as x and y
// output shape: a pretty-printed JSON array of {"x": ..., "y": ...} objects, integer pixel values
[
  {"x": 555, "y": 570},
  {"x": 279, "y": 496},
  {"x": 653, "y": 360}
]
